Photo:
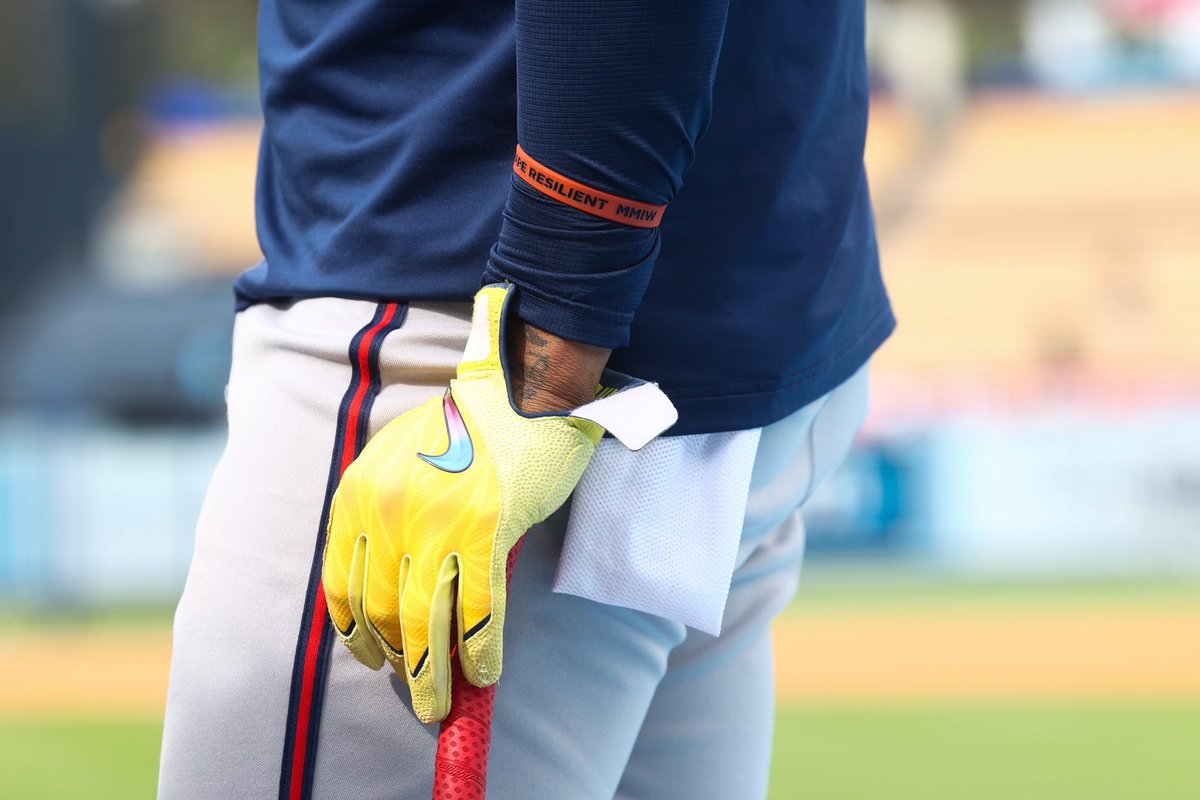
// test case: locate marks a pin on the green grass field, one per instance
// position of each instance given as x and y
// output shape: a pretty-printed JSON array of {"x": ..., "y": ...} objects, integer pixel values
[
  {"x": 60, "y": 758},
  {"x": 1030, "y": 753},
  {"x": 980, "y": 753}
]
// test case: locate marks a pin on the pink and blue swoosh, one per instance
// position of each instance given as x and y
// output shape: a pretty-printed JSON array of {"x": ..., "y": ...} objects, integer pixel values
[{"x": 460, "y": 452}]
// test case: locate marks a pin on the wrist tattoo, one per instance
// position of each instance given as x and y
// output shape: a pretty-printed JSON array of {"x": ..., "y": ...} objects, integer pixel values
[{"x": 536, "y": 364}]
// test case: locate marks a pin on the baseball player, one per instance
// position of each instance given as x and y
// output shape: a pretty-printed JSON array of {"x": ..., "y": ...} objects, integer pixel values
[{"x": 477, "y": 220}]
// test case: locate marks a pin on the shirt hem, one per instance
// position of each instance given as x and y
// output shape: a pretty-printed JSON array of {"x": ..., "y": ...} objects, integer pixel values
[{"x": 759, "y": 404}]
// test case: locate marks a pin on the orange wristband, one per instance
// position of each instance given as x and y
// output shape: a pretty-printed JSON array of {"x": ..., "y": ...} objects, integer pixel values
[{"x": 591, "y": 201}]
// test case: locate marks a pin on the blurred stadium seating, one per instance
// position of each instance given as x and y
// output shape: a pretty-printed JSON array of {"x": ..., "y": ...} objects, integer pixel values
[
  {"x": 1050, "y": 243},
  {"x": 1042, "y": 260}
]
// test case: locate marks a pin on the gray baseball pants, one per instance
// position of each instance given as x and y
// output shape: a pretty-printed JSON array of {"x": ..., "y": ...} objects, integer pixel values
[{"x": 597, "y": 702}]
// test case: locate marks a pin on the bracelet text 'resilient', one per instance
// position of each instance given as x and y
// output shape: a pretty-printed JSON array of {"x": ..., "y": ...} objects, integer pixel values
[{"x": 591, "y": 201}]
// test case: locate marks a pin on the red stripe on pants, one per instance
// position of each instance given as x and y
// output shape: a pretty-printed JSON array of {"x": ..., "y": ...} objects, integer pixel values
[{"x": 320, "y": 616}]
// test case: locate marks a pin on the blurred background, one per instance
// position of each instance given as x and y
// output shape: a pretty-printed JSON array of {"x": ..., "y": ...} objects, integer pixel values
[{"x": 1002, "y": 597}]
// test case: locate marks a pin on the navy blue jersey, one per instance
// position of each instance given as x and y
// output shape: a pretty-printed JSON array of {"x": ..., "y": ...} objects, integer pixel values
[{"x": 386, "y": 173}]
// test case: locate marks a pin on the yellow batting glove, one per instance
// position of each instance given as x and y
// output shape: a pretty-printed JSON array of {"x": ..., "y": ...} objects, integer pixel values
[{"x": 423, "y": 520}]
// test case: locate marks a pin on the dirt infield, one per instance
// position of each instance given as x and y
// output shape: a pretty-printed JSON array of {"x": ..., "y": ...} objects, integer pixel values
[
  {"x": 947, "y": 655},
  {"x": 836, "y": 656},
  {"x": 109, "y": 671}
]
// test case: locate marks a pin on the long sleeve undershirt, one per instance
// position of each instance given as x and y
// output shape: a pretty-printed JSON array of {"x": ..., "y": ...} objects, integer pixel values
[{"x": 614, "y": 95}]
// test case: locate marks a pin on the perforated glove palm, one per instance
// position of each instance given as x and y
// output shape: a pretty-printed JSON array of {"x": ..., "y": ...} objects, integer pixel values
[{"x": 423, "y": 521}]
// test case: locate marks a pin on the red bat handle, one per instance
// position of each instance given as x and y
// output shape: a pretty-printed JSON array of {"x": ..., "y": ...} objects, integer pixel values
[
  {"x": 466, "y": 735},
  {"x": 464, "y": 742}
]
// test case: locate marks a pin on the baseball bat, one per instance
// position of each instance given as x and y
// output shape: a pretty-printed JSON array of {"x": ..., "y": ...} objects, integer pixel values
[{"x": 465, "y": 738}]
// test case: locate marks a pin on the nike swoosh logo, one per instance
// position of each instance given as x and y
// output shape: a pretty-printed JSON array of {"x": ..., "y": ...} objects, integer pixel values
[{"x": 460, "y": 452}]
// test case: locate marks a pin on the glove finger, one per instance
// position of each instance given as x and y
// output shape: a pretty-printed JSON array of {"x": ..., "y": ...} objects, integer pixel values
[
  {"x": 335, "y": 571},
  {"x": 425, "y": 612},
  {"x": 361, "y": 640},
  {"x": 344, "y": 573},
  {"x": 481, "y": 627},
  {"x": 380, "y": 612}
]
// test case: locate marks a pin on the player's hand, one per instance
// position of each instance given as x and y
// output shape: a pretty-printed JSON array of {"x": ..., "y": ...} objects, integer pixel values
[{"x": 423, "y": 520}]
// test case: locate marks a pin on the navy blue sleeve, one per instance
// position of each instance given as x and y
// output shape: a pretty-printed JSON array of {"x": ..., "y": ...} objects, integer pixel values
[{"x": 613, "y": 94}]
